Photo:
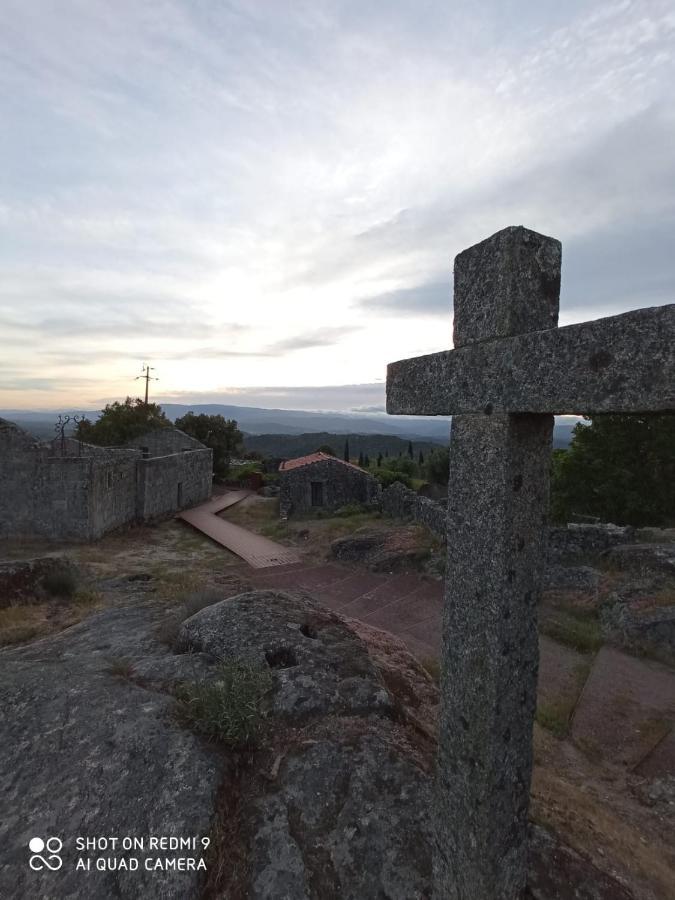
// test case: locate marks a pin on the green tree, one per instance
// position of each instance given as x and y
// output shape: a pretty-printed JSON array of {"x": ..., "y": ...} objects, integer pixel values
[
  {"x": 220, "y": 434},
  {"x": 620, "y": 468},
  {"x": 402, "y": 464},
  {"x": 346, "y": 453},
  {"x": 366, "y": 461},
  {"x": 420, "y": 459},
  {"x": 379, "y": 460},
  {"x": 410, "y": 450},
  {"x": 326, "y": 448},
  {"x": 438, "y": 466},
  {"x": 120, "y": 423},
  {"x": 361, "y": 458}
]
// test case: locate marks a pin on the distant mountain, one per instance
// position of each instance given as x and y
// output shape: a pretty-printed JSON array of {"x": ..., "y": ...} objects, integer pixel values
[
  {"x": 288, "y": 446},
  {"x": 254, "y": 421}
]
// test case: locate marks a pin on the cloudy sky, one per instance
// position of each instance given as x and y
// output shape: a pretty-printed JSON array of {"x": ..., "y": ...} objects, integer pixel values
[{"x": 262, "y": 196}]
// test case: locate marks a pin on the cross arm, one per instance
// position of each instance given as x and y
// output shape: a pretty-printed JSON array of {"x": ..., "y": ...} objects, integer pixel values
[{"x": 620, "y": 364}]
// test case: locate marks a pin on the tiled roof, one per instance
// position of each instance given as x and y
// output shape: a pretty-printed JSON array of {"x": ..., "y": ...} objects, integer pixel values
[{"x": 314, "y": 458}]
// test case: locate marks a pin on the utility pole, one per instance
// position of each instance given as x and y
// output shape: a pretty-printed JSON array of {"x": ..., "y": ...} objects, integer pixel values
[{"x": 147, "y": 378}]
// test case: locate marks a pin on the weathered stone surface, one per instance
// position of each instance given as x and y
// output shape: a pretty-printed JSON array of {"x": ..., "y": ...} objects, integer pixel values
[
  {"x": 87, "y": 753},
  {"x": 657, "y": 558},
  {"x": 319, "y": 664},
  {"x": 347, "y": 819},
  {"x": 401, "y": 502},
  {"x": 382, "y": 549},
  {"x": 558, "y": 872},
  {"x": 577, "y": 543},
  {"x": 623, "y": 363},
  {"x": 22, "y": 580},
  {"x": 497, "y": 502},
  {"x": 506, "y": 285},
  {"x": 497, "y": 496},
  {"x": 574, "y": 578}
]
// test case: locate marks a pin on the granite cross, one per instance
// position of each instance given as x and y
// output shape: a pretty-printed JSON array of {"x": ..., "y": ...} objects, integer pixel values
[{"x": 510, "y": 371}]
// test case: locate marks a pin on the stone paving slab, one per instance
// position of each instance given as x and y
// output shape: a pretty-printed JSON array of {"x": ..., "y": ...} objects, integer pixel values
[
  {"x": 562, "y": 672},
  {"x": 402, "y": 614},
  {"x": 660, "y": 761},
  {"x": 338, "y": 596},
  {"x": 428, "y": 632},
  {"x": 626, "y": 707},
  {"x": 396, "y": 587}
]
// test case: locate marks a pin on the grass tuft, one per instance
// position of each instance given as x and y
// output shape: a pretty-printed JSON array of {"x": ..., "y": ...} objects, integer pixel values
[
  {"x": 230, "y": 705},
  {"x": 121, "y": 667},
  {"x": 577, "y": 629}
]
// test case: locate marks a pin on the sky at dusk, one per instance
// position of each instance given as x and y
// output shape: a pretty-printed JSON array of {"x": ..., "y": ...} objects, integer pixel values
[{"x": 264, "y": 198}]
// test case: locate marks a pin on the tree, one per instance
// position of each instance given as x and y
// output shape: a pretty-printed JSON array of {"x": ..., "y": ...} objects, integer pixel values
[
  {"x": 420, "y": 459},
  {"x": 366, "y": 461},
  {"x": 361, "y": 458},
  {"x": 346, "y": 453},
  {"x": 120, "y": 423},
  {"x": 410, "y": 450},
  {"x": 326, "y": 448},
  {"x": 220, "y": 434},
  {"x": 620, "y": 468},
  {"x": 438, "y": 466},
  {"x": 379, "y": 460}
]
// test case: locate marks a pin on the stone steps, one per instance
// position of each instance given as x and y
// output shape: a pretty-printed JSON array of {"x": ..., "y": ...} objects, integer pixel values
[{"x": 614, "y": 705}]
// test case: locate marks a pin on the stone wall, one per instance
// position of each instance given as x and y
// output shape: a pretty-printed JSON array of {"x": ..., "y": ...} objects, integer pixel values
[
  {"x": 163, "y": 441},
  {"x": 92, "y": 490},
  {"x": 566, "y": 543},
  {"x": 401, "y": 502},
  {"x": 342, "y": 484},
  {"x": 168, "y": 483},
  {"x": 577, "y": 543},
  {"x": 113, "y": 491}
]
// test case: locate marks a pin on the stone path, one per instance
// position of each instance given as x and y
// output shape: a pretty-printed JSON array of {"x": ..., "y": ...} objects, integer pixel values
[
  {"x": 625, "y": 711},
  {"x": 256, "y": 550}
]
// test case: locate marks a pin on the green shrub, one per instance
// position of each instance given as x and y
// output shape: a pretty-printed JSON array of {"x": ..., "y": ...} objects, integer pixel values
[
  {"x": 387, "y": 477},
  {"x": 230, "y": 705},
  {"x": 350, "y": 509}
]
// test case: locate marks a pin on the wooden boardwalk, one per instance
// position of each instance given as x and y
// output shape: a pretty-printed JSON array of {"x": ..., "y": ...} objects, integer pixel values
[{"x": 259, "y": 552}]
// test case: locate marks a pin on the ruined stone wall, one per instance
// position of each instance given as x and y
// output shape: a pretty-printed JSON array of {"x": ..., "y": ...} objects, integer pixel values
[
  {"x": 566, "y": 543},
  {"x": 168, "y": 483},
  {"x": 401, "y": 502},
  {"x": 113, "y": 490},
  {"x": 577, "y": 543},
  {"x": 164, "y": 441},
  {"x": 18, "y": 459},
  {"x": 341, "y": 485}
]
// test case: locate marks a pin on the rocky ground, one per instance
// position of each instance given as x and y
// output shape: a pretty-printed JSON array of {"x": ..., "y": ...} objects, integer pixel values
[{"x": 328, "y": 793}]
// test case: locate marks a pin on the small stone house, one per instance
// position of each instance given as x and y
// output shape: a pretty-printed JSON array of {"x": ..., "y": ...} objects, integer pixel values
[
  {"x": 77, "y": 491},
  {"x": 321, "y": 481}
]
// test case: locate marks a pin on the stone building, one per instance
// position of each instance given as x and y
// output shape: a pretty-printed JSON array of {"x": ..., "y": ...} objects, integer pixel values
[
  {"x": 321, "y": 481},
  {"x": 79, "y": 492}
]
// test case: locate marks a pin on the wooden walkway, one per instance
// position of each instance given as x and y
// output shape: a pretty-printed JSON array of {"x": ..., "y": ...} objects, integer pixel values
[{"x": 259, "y": 552}]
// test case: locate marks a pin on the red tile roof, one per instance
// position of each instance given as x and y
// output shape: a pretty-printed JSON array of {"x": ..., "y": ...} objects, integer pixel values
[{"x": 314, "y": 458}]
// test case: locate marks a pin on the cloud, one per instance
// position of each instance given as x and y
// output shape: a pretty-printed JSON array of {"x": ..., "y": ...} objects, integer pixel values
[
  {"x": 251, "y": 192},
  {"x": 320, "y": 337},
  {"x": 340, "y": 397},
  {"x": 431, "y": 299}
]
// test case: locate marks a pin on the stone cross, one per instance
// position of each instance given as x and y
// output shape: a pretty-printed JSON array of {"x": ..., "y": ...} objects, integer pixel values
[{"x": 510, "y": 371}]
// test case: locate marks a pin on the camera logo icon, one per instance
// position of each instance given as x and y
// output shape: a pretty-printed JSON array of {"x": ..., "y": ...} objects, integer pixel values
[{"x": 51, "y": 847}]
